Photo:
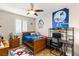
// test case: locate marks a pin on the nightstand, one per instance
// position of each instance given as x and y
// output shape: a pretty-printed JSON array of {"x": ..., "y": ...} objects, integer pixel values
[
  {"x": 4, "y": 50},
  {"x": 14, "y": 42}
]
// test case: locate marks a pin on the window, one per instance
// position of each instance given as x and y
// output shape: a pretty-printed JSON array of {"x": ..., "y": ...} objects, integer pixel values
[
  {"x": 18, "y": 26},
  {"x": 24, "y": 25},
  {"x": 21, "y": 26}
]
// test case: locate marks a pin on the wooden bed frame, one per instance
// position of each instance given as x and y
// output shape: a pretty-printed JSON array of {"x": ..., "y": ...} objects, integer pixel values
[{"x": 37, "y": 46}]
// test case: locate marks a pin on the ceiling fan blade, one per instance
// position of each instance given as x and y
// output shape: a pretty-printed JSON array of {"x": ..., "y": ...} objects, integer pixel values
[
  {"x": 36, "y": 14},
  {"x": 39, "y": 10}
]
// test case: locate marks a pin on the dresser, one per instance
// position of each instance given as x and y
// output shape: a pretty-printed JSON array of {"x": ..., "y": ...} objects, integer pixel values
[{"x": 14, "y": 42}]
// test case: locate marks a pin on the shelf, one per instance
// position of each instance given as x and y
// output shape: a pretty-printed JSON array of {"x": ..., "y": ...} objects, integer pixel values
[{"x": 67, "y": 35}]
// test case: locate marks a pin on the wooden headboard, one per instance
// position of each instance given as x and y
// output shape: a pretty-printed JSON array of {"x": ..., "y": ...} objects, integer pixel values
[{"x": 23, "y": 33}]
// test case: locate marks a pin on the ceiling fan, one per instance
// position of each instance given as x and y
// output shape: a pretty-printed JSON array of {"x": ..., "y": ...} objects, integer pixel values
[{"x": 34, "y": 11}]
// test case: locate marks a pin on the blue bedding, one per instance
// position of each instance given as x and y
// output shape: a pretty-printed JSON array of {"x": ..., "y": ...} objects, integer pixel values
[{"x": 30, "y": 38}]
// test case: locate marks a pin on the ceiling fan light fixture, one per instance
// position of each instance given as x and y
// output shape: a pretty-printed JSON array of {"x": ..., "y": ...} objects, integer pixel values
[{"x": 32, "y": 12}]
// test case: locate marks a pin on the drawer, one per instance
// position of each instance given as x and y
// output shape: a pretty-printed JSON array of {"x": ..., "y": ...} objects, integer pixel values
[
  {"x": 15, "y": 40},
  {"x": 4, "y": 52},
  {"x": 14, "y": 43}
]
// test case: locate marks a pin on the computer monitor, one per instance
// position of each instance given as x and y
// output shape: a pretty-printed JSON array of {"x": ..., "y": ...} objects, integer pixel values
[{"x": 56, "y": 35}]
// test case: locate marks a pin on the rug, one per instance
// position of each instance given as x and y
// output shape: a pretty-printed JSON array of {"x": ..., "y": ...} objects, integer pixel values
[{"x": 21, "y": 51}]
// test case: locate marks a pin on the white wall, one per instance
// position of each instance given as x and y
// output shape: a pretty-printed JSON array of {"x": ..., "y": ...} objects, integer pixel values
[
  {"x": 7, "y": 20},
  {"x": 73, "y": 22},
  {"x": 47, "y": 23}
]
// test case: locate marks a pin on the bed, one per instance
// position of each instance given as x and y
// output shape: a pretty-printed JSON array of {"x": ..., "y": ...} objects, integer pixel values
[{"x": 33, "y": 41}]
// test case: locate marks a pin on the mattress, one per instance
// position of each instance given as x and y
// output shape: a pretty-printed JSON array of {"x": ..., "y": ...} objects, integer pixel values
[{"x": 31, "y": 38}]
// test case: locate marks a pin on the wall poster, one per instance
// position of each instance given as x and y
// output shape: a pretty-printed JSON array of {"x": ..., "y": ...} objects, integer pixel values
[{"x": 60, "y": 18}]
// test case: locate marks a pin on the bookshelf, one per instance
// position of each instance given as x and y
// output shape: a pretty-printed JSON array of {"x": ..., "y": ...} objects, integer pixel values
[{"x": 67, "y": 36}]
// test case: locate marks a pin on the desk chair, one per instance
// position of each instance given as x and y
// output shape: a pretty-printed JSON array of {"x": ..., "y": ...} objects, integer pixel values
[{"x": 55, "y": 43}]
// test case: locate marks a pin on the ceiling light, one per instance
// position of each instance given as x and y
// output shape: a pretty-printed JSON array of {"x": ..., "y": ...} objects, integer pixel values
[{"x": 32, "y": 12}]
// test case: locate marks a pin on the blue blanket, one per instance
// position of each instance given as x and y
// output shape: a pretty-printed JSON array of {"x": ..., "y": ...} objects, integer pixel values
[{"x": 31, "y": 38}]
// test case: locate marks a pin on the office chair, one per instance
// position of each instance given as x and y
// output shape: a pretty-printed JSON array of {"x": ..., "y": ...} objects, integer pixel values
[{"x": 55, "y": 43}]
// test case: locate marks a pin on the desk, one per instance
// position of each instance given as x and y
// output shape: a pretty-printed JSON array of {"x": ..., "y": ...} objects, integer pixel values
[{"x": 67, "y": 44}]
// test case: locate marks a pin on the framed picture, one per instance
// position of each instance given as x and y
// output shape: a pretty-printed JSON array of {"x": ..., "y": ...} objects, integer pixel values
[
  {"x": 40, "y": 23},
  {"x": 60, "y": 18}
]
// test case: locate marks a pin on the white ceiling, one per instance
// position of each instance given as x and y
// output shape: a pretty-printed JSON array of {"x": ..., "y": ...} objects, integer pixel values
[{"x": 21, "y": 8}]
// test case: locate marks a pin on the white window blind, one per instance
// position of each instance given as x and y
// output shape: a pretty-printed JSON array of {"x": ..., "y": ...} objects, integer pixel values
[
  {"x": 24, "y": 25},
  {"x": 18, "y": 26},
  {"x": 21, "y": 26}
]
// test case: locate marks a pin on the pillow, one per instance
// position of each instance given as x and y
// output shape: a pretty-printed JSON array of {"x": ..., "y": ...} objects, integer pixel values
[
  {"x": 32, "y": 34},
  {"x": 37, "y": 33}
]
